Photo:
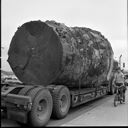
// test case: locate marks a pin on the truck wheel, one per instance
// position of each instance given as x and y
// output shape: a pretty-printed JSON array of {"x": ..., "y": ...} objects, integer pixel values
[
  {"x": 61, "y": 102},
  {"x": 121, "y": 101},
  {"x": 116, "y": 99},
  {"x": 24, "y": 90},
  {"x": 41, "y": 107},
  {"x": 115, "y": 102}
]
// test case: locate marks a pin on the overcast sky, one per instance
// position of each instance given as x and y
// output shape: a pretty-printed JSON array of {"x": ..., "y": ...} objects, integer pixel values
[{"x": 107, "y": 16}]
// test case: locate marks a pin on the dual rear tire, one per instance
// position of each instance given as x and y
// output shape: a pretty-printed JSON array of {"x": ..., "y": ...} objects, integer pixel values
[
  {"x": 45, "y": 104},
  {"x": 42, "y": 105},
  {"x": 61, "y": 102}
]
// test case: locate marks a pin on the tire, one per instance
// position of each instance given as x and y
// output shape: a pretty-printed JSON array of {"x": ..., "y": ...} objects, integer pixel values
[
  {"x": 25, "y": 90},
  {"x": 61, "y": 102},
  {"x": 42, "y": 105},
  {"x": 123, "y": 97},
  {"x": 121, "y": 101},
  {"x": 33, "y": 92},
  {"x": 115, "y": 101}
]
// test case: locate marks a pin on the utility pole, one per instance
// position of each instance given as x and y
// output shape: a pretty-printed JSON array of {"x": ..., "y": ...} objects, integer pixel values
[{"x": 120, "y": 60}]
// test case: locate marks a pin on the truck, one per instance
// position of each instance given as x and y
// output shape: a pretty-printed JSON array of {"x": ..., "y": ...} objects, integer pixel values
[{"x": 60, "y": 67}]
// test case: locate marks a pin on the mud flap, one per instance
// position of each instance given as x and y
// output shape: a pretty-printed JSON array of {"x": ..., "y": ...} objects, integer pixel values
[{"x": 17, "y": 115}]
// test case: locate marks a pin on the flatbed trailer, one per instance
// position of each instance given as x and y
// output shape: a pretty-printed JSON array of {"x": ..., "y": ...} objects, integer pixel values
[
  {"x": 18, "y": 104},
  {"x": 69, "y": 58}
]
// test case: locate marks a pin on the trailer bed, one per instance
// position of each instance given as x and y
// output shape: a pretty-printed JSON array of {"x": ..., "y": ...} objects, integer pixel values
[{"x": 83, "y": 95}]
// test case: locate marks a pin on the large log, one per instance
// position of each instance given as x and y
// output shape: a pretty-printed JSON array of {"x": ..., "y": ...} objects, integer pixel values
[{"x": 44, "y": 53}]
